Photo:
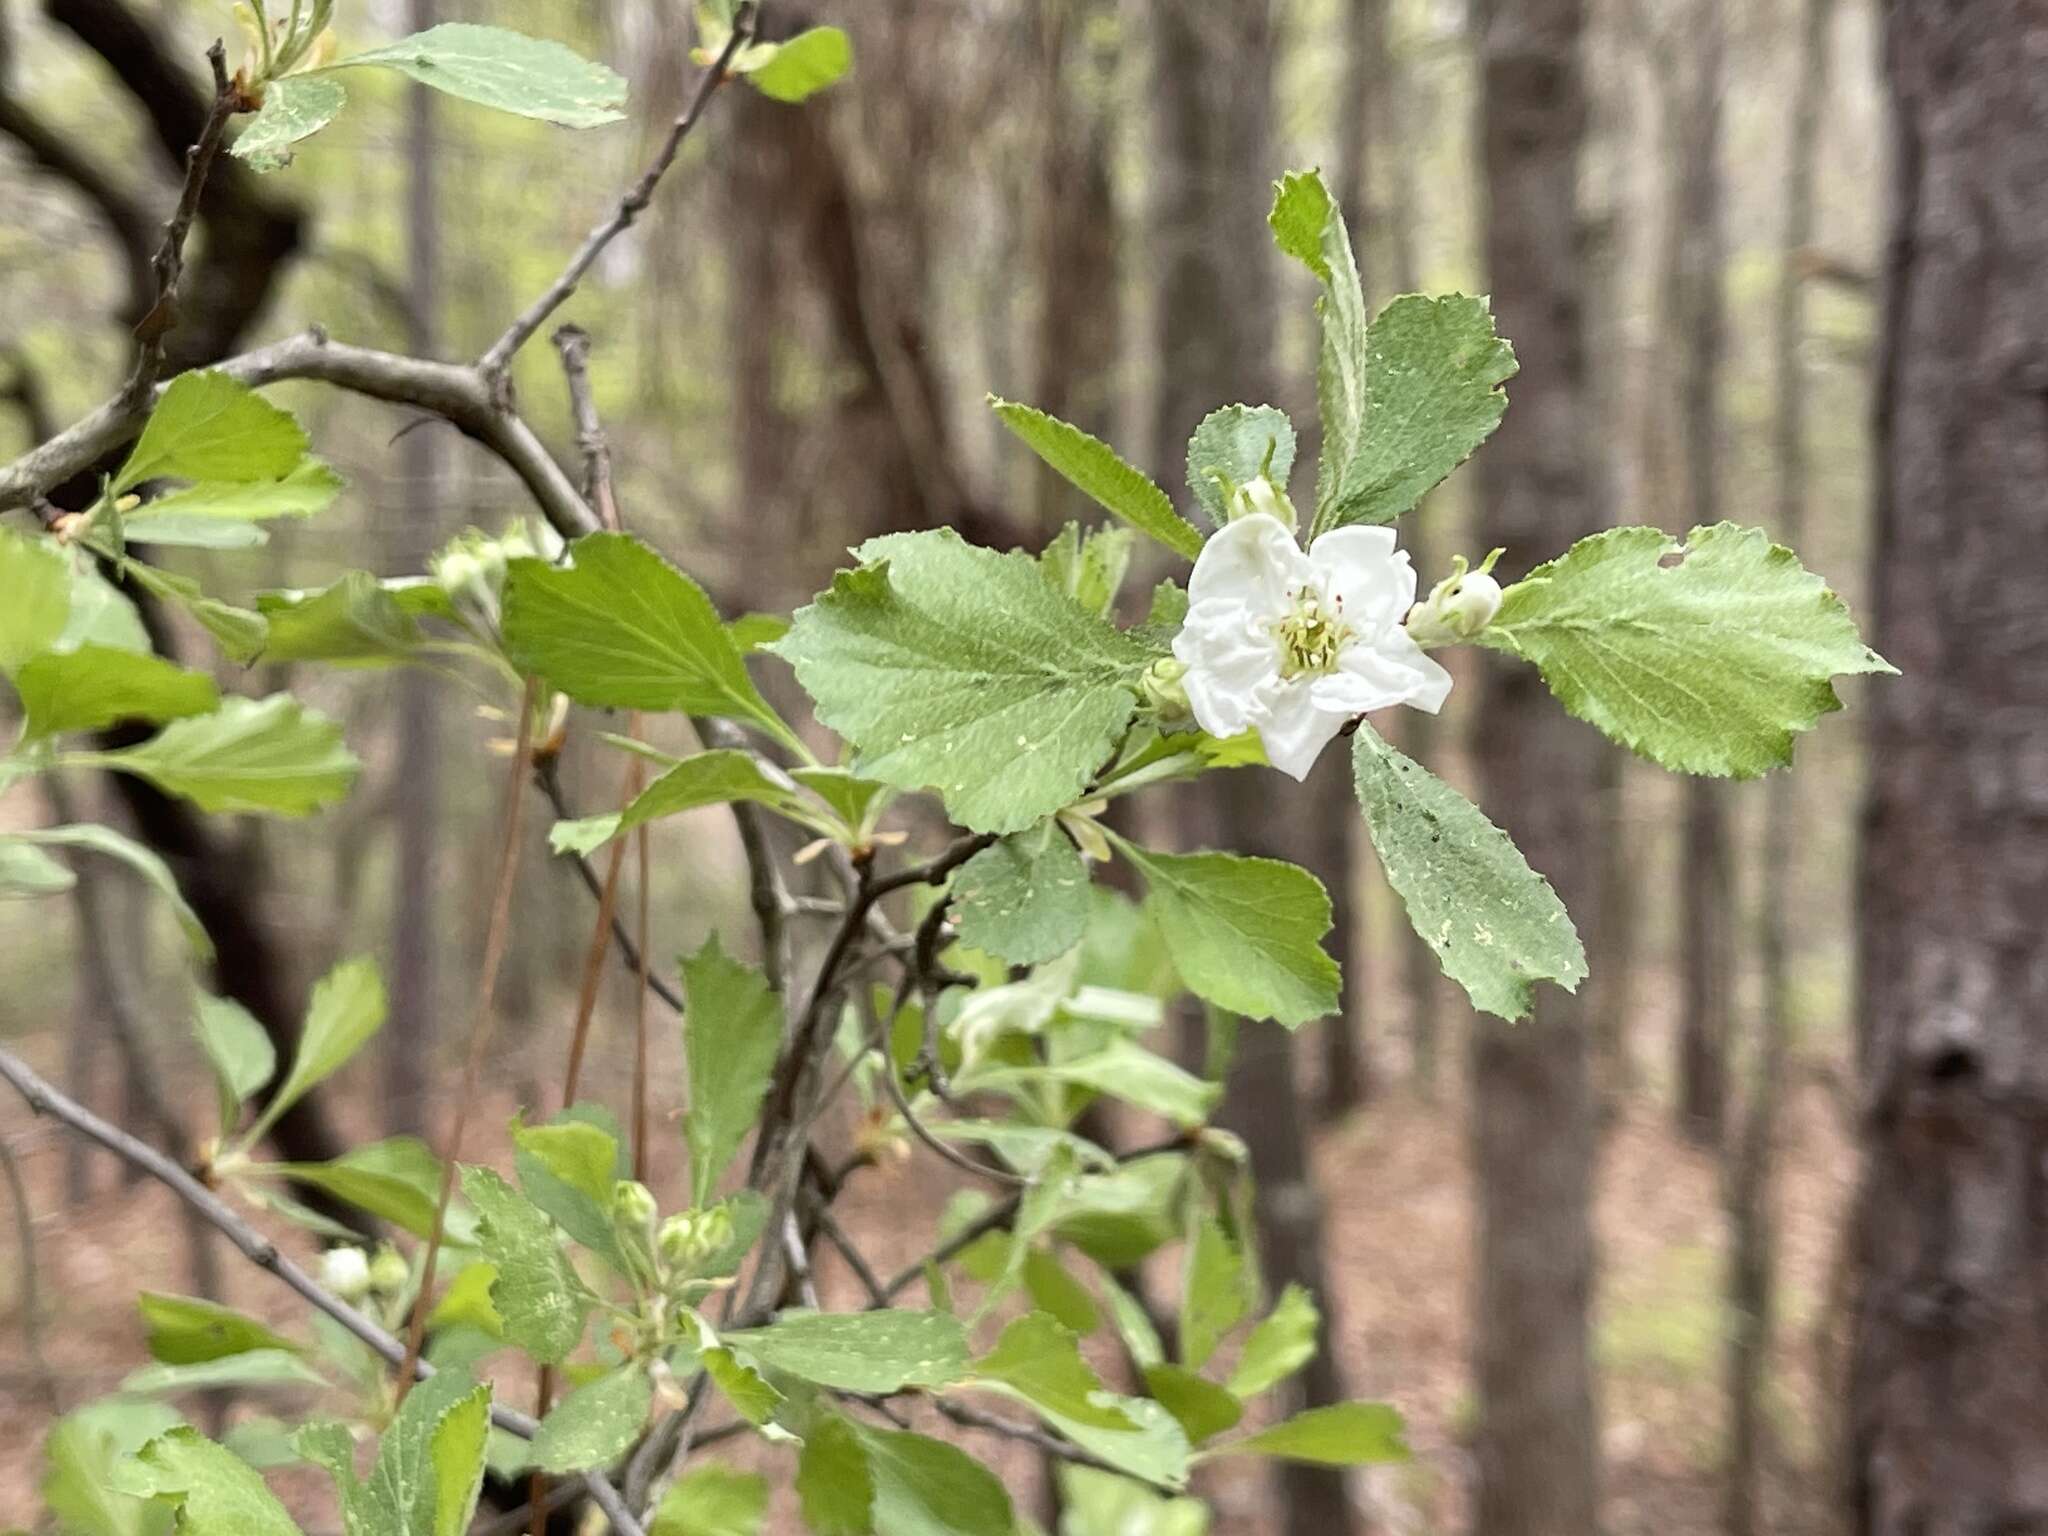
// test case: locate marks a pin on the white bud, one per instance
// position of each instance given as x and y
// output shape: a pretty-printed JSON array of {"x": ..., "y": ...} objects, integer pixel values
[
  {"x": 1472, "y": 607},
  {"x": 1259, "y": 496},
  {"x": 1458, "y": 607},
  {"x": 346, "y": 1272}
]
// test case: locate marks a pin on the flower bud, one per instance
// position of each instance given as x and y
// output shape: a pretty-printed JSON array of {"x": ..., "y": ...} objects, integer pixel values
[
  {"x": 633, "y": 1207},
  {"x": 346, "y": 1272},
  {"x": 389, "y": 1271},
  {"x": 1260, "y": 496},
  {"x": 679, "y": 1242},
  {"x": 1458, "y": 607},
  {"x": 1162, "y": 689}
]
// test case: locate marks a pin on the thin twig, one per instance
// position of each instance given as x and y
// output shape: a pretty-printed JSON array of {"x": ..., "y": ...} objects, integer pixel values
[
  {"x": 950, "y": 1154},
  {"x": 260, "y": 1251},
  {"x": 629, "y": 952},
  {"x": 1032, "y": 1435},
  {"x": 511, "y": 818},
  {"x": 836, "y": 1235},
  {"x": 629, "y": 208},
  {"x": 168, "y": 264},
  {"x": 31, "y": 1290}
]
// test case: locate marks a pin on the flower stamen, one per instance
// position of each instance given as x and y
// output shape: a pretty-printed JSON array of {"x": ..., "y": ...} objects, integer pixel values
[{"x": 1312, "y": 636}]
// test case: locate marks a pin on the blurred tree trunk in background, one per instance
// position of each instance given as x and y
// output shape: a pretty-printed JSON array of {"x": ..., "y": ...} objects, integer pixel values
[
  {"x": 1949, "y": 1388},
  {"x": 1706, "y": 916},
  {"x": 1217, "y": 305},
  {"x": 1075, "y": 209},
  {"x": 1752, "y": 1260},
  {"x": 1532, "y": 1104},
  {"x": 416, "y": 800},
  {"x": 1347, "y": 1065}
]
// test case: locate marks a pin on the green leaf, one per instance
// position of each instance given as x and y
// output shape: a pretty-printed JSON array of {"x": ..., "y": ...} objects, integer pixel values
[
  {"x": 26, "y": 871},
  {"x": 240, "y": 1049},
  {"x": 294, "y": 108},
  {"x": 732, "y": 1032},
  {"x": 1238, "y": 442},
  {"x": 1122, "y": 1069},
  {"x": 1342, "y": 1435},
  {"x": 83, "y": 1454},
  {"x": 595, "y": 1424},
  {"x": 1024, "y": 899},
  {"x": 542, "y": 1300},
  {"x": 397, "y": 1180},
  {"x": 833, "y": 1484},
  {"x": 37, "y": 580},
  {"x": 861, "y": 1351},
  {"x": 1055, "y": 1291},
  {"x": 238, "y": 632},
  {"x": 260, "y": 755},
  {"x": 173, "y": 530},
  {"x": 1245, "y": 934},
  {"x": 744, "y": 1387},
  {"x": 857, "y": 802},
  {"x": 430, "y": 1460},
  {"x": 507, "y": 71},
  {"x": 208, "y": 427},
  {"x": 214, "y": 1492},
  {"x": 1201, "y": 1408},
  {"x": 813, "y": 59},
  {"x": 97, "y": 685},
  {"x": 456, "y": 1452},
  {"x": 1403, "y": 401},
  {"x": 624, "y": 629},
  {"x": 956, "y": 668},
  {"x": 1708, "y": 657},
  {"x": 356, "y": 622},
  {"x": 467, "y": 1302},
  {"x": 1097, "y": 1503},
  {"x": 1038, "y": 1360},
  {"x": 1495, "y": 924},
  {"x": 712, "y": 1500},
  {"x": 310, "y": 488},
  {"x": 568, "y": 1168},
  {"x": 1433, "y": 374},
  {"x": 252, "y": 1368},
  {"x": 1282, "y": 1343},
  {"x": 1089, "y": 565},
  {"x": 709, "y": 778},
  {"x": 1094, "y": 468},
  {"x": 751, "y": 631},
  {"x": 101, "y": 614},
  {"x": 1216, "y": 1292},
  {"x": 144, "y": 861},
  {"x": 347, "y": 1009},
  {"x": 185, "y": 1330},
  {"x": 924, "y": 1487}
]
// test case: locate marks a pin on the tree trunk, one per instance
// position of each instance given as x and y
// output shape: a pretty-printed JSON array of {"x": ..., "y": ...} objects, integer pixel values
[
  {"x": 1532, "y": 1103},
  {"x": 1751, "y": 1297},
  {"x": 416, "y": 819},
  {"x": 1215, "y": 325},
  {"x": 1706, "y": 940},
  {"x": 1949, "y": 1387},
  {"x": 1347, "y": 1066}
]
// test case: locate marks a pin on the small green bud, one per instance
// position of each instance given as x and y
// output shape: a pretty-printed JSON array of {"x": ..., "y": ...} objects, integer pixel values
[
  {"x": 389, "y": 1271},
  {"x": 680, "y": 1243},
  {"x": 714, "y": 1229},
  {"x": 1260, "y": 496},
  {"x": 346, "y": 1272},
  {"x": 1163, "y": 691},
  {"x": 633, "y": 1207}
]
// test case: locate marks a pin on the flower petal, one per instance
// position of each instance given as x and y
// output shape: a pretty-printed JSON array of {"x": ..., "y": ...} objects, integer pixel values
[
  {"x": 1294, "y": 730},
  {"x": 1254, "y": 561},
  {"x": 1393, "y": 670},
  {"x": 1363, "y": 575}
]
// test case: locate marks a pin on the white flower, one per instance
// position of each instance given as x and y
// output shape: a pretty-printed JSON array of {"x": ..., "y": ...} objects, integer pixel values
[
  {"x": 346, "y": 1272},
  {"x": 1294, "y": 644}
]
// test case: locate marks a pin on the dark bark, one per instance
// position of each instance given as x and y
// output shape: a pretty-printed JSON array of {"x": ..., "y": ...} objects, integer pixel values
[
  {"x": 1532, "y": 1104},
  {"x": 1949, "y": 1388},
  {"x": 1752, "y": 1257},
  {"x": 416, "y": 818},
  {"x": 1706, "y": 940},
  {"x": 1217, "y": 302}
]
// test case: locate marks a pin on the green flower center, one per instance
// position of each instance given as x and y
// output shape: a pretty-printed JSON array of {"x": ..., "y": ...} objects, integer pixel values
[{"x": 1311, "y": 637}]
